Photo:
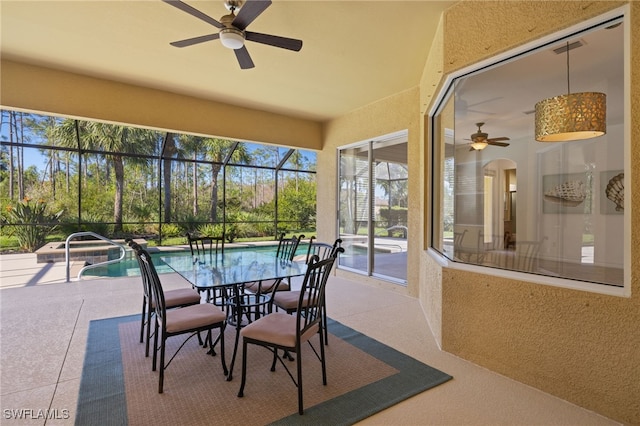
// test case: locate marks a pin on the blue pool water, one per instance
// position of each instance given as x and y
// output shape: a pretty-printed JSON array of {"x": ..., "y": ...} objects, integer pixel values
[{"x": 130, "y": 268}]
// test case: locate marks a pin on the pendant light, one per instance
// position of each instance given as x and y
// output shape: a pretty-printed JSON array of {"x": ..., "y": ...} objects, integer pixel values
[{"x": 573, "y": 116}]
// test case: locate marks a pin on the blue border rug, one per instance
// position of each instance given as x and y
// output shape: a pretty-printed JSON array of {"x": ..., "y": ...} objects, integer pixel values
[{"x": 102, "y": 398}]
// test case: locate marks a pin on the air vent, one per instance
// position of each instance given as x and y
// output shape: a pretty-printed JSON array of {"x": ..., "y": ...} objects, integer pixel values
[
  {"x": 448, "y": 133},
  {"x": 560, "y": 50}
]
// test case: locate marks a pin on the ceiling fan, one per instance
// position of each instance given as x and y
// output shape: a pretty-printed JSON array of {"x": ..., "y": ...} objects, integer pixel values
[
  {"x": 481, "y": 140},
  {"x": 462, "y": 107},
  {"x": 232, "y": 29}
]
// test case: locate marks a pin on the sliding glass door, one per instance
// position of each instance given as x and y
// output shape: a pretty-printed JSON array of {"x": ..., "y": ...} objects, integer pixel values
[{"x": 373, "y": 195}]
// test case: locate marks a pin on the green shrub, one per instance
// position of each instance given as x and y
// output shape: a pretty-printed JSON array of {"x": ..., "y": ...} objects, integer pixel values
[
  {"x": 30, "y": 222},
  {"x": 171, "y": 230},
  {"x": 90, "y": 223},
  {"x": 209, "y": 230}
]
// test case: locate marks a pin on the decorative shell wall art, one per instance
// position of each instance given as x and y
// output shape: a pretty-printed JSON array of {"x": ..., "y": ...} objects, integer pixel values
[
  {"x": 615, "y": 191},
  {"x": 570, "y": 193}
]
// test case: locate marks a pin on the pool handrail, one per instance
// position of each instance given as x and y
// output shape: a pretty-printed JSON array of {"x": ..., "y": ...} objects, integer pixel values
[{"x": 123, "y": 251}]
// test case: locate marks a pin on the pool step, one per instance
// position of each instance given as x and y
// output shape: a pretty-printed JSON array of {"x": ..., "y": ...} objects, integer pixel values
[{"x": 91, "y": 251}]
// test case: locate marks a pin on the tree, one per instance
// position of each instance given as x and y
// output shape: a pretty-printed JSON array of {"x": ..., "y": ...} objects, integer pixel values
[
  {"x": 14, "y": 122},
  {"x": 297, "y": 160},
  {"x": 191, "y": 148},
  {"x": 116, "y": 141},
  {"x": 297, "y": 202},
  {"x": 170, "y": 151},
  {"x": 215, "y": 151},
  {"x": 45, "y": 127}
]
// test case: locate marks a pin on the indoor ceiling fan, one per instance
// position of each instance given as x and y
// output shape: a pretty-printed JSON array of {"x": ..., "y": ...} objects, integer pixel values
[
  {"x": 462, "y": 107},
  {"x": 232, "y": 29},
  {"x": 481, "y": 140}
]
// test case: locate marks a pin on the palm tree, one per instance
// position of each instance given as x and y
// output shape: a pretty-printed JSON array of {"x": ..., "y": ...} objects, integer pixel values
[
  {"x": 297, "y": 160},
  {"x": 216, "y": 151},
  {"x": 115, "y": 141},
  {"x": 170, "y": 151},
  {"x": 191, "y": 147},
  {"x": 45, "y": 127},
  {"x": 15, "y": 135}
]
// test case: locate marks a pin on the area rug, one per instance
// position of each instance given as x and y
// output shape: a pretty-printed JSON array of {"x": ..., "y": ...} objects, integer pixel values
[{"x": 363, "y": 377}]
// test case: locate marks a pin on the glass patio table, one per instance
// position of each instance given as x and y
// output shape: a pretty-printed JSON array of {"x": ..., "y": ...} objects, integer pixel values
[{"x": 230, "y": 270}]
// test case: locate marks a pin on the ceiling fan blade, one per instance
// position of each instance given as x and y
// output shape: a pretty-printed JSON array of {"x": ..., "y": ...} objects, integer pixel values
[
  {"x": 485, "y": 101},
  {"x": 502, "y": 138},
  {"x": 194, "y": 12},
  {"x": 243, "y": 57},
  {"x": 480, "y": 112},
  {"x": 249, "y": 11},
  {"x": 195, "y": 40},
  {"x": 272, "y": 40},
  {"x": 490, "y": 142}
]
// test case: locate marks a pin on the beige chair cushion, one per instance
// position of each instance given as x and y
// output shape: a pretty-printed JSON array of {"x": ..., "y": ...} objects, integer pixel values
[
  {"x": 286, "y": 299},
  {"x": 180, "y": 297},
  {"x": 194, "y": 316},
  {"x": 267, "y": 286},
  {"x": 277, "y": 328},
  {"x": 289, "y": 299}
]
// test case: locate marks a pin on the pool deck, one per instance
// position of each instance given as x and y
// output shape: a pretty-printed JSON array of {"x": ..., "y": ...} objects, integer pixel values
[
  {"x": 45, "y": 322},
  {"x": 23, "y": 270}
]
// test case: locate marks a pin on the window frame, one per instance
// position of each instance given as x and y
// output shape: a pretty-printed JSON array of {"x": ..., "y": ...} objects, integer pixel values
[
  {"x": 370, "y": 146},
  {"x": 435, "y": 174}
]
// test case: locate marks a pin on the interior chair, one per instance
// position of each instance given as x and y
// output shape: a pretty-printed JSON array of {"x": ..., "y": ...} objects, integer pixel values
[
  {"x": 458, "y": 238},
  {"x": 187, "y": 320},
  {"x": 286, "y": 251},
  {"x": 525, "y": 257},
  {"x": 173, "y": 299},
  {"x": 490, "y": 247},
  {"x": 280, "y": 331},
  {"x": 288, "y": 300}
]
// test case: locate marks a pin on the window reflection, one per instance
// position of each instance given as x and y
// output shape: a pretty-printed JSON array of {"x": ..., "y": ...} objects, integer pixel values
[{"x": 551, "y": 209}]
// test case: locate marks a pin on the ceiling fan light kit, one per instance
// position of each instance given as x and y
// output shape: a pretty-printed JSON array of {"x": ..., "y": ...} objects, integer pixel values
[
  {"x": 232, "y": 29},
  {"x": 480, "y": 140},
  {"x": 479, "y": 146},
  {"x": 231, "y": 38},
  {"x": 570, "y": 117}
]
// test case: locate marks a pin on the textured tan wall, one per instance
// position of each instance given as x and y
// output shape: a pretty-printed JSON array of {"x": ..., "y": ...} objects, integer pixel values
[
  {"x": 580, "y": 346},
  {"x": 506, "y": 24},
  {"x": 49, "y": 91},
  {"x": 429, "y": 272},
  {"x": 392, "y": 114}
]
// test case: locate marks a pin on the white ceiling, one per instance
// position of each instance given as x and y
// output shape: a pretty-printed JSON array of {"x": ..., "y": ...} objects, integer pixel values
[
  {"x": 504, "y": 97},
  {"x": 354, "y": 52}
]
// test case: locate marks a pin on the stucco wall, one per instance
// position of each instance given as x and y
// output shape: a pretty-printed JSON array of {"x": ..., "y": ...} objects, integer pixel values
[
  {"x": 388, "y": 115},
  {"x": 430, "y": 272},
  {"x": 51, "y": 91},
  {"x": 580, "y": 346}
]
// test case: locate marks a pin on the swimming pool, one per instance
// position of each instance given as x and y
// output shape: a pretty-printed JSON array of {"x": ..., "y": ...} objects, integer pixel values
[{"x": 129, "y": 266}]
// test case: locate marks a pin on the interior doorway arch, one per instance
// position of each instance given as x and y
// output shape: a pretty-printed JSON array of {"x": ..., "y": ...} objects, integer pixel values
[{"x": 500, "y": 203}]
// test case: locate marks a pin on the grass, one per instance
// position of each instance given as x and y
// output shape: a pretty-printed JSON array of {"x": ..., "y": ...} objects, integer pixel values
[{"x": 8, "y": 243}]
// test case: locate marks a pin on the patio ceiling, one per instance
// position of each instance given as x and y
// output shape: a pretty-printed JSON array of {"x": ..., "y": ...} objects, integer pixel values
[{"x": 354, "y": 52}]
